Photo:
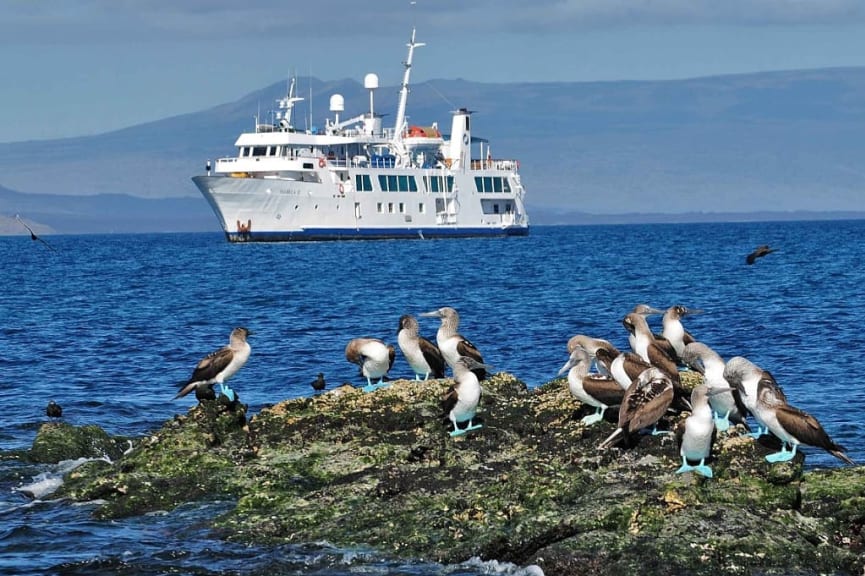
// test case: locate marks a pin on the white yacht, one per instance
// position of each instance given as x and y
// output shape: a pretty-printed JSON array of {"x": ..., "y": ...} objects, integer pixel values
[{"x": 357, "y": 179}]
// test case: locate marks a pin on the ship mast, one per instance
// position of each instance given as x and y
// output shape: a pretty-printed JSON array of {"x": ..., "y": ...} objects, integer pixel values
[{"x": 403, "y": 92}]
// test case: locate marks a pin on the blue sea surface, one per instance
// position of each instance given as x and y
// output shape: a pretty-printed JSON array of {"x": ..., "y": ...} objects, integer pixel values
[{"x": 109, "y": 325}]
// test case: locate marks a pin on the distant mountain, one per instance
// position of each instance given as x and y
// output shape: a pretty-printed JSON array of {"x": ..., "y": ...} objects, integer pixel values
[
  {"x": 102, "y": 214},
  {"x": 756, "y": 143}
]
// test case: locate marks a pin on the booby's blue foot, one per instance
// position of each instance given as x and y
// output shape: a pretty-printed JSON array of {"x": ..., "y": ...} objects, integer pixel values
[
  {"x": 370, "y": 388},
  {"x": 760, "y": 432},
  {"x": 227, "y": 392},
  {"x": 722, "y": 423},
  {"x": 783, "y": 456},
  {"x": 656, "y": 432},
  {"x": 593, "y": 418},
  {"x": 458, "y": 432},
  {"x": 471, "y": 427},
  {"x": 700, "y": 468}
]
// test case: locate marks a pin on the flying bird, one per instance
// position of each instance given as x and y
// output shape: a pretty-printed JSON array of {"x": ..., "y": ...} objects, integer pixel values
[
  {"x": 217, "y": 367},
  {"x": 759, "y": 252},
  {"x": 33, "y": 235}
]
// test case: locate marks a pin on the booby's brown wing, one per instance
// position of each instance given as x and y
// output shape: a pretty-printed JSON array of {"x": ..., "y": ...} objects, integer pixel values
[
  {"x": 660, "y": 357},
  {"x": 391, "y": 356},
  {"x": 433, "y": 357},
  {"x": 466, "y": 348},
  {"x": 207, "y": 369},
  {"x": 603, "y": 389},
  {"x": 634, "y": 365},
  {"x": 449, "y": 400},
  {"x": 644, "y": 406},
  {"x": 808, "y": 430}
]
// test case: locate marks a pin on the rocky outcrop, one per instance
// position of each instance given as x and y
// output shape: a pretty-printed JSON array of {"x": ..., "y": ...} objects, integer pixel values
[{"x": 530, "y": 487}]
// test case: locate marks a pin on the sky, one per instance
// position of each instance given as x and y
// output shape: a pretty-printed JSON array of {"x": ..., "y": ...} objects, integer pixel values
[{"x": 82, "y": 67}]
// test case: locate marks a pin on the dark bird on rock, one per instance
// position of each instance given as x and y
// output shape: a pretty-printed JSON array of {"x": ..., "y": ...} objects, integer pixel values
[
  {"x": 33, "y": 235},
  {"x": 217, "y": 367},
  {"x": 53, "y": 410},
  {"x": 759, "y": 252},
  {"x": 318, "y": 384}
]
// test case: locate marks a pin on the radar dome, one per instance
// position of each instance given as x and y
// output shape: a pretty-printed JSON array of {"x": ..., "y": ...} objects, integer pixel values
[
  {"x": 370, "y": 81},
  {"x": 337, "y": 103}
]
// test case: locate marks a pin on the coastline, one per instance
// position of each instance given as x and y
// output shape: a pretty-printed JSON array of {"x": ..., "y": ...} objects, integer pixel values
[{"x": 529, "y": 488}]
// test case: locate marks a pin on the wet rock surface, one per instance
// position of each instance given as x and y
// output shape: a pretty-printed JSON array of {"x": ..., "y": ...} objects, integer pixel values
[{"x": 530, "y": 487}]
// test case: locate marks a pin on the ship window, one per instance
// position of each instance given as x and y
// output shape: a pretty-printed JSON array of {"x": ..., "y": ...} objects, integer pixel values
[
  {"x": 402, "y": 207},
  {"x": 488, "y": 184},
  {"x": 497, "y": 184},
  {"x": 432, "y": 183},
  {"x": 403, "y": 183},
  {"x": 495, "y": 208},
  {"x": 390, "y": 207},
  {"x": 421, "y": 208},
  {"x": 259, "y": 150},
  {"x": 412, "y": 184},
  {"x": 479, "y": 184},
  {"x": 362, "y": 183},
  {"x": 391, "y": 184},
  {"x": 506, "y": 186},
  {"x": 379, "y": 208}
]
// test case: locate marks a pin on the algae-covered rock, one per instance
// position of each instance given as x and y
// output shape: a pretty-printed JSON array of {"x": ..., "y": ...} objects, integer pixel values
[
  {"x": 531, "y": 486},
  {"x": 58, "y": 441}
]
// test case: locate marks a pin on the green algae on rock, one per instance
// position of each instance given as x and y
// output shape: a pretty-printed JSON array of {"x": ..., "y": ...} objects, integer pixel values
[{"x": 530, "y": 487}]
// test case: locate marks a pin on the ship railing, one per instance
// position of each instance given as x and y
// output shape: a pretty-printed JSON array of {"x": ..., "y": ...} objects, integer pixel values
[{"x": 496, "y": 164}]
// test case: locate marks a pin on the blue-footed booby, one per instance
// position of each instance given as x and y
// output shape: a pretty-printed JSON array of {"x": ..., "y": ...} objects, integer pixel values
[
  {"x": 597, "y": 390},
  {"x": 460, "y": 403},
  {"x": 673, "y": 329},
  {"x": 696, "y": 441},
  {"x": 724, "y": 400},
  {"x": 770, "y": 408},
  {"x": 451, "y": 343},
  {"x": 217, "y": 367},
  {"x": 592, "y": 345},
  {"x": 423, "y": 356},
  {"x": 645, "y": 402},
  {"x": 374, "y": 357},
  {"x": 748, "y": 378},
  {"x": 645, "y": 311},
  {"x": 657, "y": 352},
  {"x": 624, "y": 368}
]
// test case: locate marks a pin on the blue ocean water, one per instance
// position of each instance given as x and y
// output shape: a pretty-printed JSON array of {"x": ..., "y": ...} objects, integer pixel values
[{"x": 108, "y": 325}]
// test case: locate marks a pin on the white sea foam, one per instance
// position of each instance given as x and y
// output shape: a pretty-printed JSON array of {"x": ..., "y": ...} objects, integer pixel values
[
  {"x": 47, "y": 482},
  {"x": 496, "y": 567}
]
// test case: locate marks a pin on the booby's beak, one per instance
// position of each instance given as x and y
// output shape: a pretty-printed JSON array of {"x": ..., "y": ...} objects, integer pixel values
[
  {"x": 691, "y": 312},
  {"x": 718, "y": 391},
  {"x": 433, "y": 314}
]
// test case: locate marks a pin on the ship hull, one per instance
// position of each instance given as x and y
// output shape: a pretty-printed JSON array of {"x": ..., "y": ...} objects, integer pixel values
[{"x": 274, "y": 210}]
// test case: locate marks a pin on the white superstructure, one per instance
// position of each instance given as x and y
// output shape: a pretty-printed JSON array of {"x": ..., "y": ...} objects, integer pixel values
[{"x": 357, "y": 179}]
